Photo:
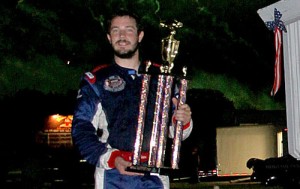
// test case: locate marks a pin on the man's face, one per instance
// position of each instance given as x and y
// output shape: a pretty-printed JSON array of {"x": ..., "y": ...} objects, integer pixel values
[{"x": 124, "y": 37}]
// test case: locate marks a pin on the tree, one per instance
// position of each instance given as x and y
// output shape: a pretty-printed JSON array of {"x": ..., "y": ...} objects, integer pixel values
[{"x": 219, "y": 37}]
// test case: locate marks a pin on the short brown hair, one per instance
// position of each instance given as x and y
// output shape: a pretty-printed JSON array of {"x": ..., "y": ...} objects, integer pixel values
[{"x": 124, "y": 12}]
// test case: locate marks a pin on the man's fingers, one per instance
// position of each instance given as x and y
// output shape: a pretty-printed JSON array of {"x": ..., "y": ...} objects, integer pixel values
[{"x": 122, "y": 165}]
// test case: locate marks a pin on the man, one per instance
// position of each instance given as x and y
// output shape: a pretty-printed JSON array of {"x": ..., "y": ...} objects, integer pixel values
[{"x": 105, "y": 118}]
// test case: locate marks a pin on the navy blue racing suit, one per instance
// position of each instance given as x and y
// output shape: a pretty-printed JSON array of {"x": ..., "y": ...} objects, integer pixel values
[{"x": 105, "y": 120}]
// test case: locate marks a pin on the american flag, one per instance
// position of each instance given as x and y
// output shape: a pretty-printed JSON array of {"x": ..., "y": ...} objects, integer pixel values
[{"x": 277, "y": 26}]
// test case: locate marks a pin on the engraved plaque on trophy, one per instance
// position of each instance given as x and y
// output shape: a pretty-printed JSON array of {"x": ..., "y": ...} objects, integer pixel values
[{"x": 161, "y": 119}]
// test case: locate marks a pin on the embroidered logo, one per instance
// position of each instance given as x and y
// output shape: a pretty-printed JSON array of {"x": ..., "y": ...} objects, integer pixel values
[{"x": 114, "y": 84}]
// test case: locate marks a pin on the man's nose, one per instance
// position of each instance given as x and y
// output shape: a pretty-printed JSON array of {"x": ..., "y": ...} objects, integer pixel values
[{"x": 122, "y": 33}]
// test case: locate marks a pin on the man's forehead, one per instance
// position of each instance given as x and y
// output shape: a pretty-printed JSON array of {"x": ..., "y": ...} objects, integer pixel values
[{"x": 124, "y": 20}]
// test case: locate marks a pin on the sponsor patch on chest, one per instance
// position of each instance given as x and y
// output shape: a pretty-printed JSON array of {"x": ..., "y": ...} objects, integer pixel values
[{"x": 114, "y": 83}]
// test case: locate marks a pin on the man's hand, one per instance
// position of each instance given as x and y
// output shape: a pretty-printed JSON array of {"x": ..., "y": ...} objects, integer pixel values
[
  {"x": 183, "y": 112},
  {"x": 121, "y": 166}
]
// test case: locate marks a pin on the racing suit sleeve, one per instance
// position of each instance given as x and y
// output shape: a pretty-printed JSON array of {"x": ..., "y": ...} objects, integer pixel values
[
  {"x": 187, "y": 129},
  {"x": 88, "y": 118}
]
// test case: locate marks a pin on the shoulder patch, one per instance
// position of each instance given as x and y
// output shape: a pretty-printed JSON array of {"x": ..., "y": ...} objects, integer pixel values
[{"x": 90, "y": 77}]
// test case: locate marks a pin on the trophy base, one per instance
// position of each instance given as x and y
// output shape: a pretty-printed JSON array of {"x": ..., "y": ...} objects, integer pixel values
[
  {"x": 148, "y": 170},
  {"x": 142, "y": 169}
]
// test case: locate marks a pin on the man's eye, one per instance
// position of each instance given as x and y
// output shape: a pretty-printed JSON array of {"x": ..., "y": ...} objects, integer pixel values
[
  {"x": 114, "y": 31},
  {"x": 130, "y": 30}
]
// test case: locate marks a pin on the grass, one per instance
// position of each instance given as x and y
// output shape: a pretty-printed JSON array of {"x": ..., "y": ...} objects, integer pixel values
[{"x": 221, "y": 185}]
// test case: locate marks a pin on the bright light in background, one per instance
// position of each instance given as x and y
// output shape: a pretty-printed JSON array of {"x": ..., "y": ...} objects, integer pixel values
[
  {"x": 58, "y": 121},
  {"x": 56, "y": 117}
]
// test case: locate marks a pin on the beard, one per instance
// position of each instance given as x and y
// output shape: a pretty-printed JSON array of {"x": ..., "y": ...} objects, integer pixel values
[{"x": 126, "y": 54}]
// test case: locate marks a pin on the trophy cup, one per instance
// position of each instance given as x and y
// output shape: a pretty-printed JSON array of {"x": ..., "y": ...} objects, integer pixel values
[{"x": 157, "y": 146}]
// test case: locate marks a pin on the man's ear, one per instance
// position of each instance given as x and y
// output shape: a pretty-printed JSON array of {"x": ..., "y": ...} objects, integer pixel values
[
  {"x": 141, "y": 35},
  {"x": 108, "y": 38}
]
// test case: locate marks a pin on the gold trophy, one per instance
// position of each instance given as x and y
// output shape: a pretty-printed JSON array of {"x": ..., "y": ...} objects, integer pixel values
[{"x": 161, "y": 118}]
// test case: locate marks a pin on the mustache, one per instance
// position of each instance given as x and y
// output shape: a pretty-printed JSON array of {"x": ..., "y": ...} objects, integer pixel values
[{"x": 122, "y": 41}]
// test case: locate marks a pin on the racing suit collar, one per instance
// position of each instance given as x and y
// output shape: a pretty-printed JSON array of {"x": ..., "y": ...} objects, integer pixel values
[{"x": 129, "y": 71}]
